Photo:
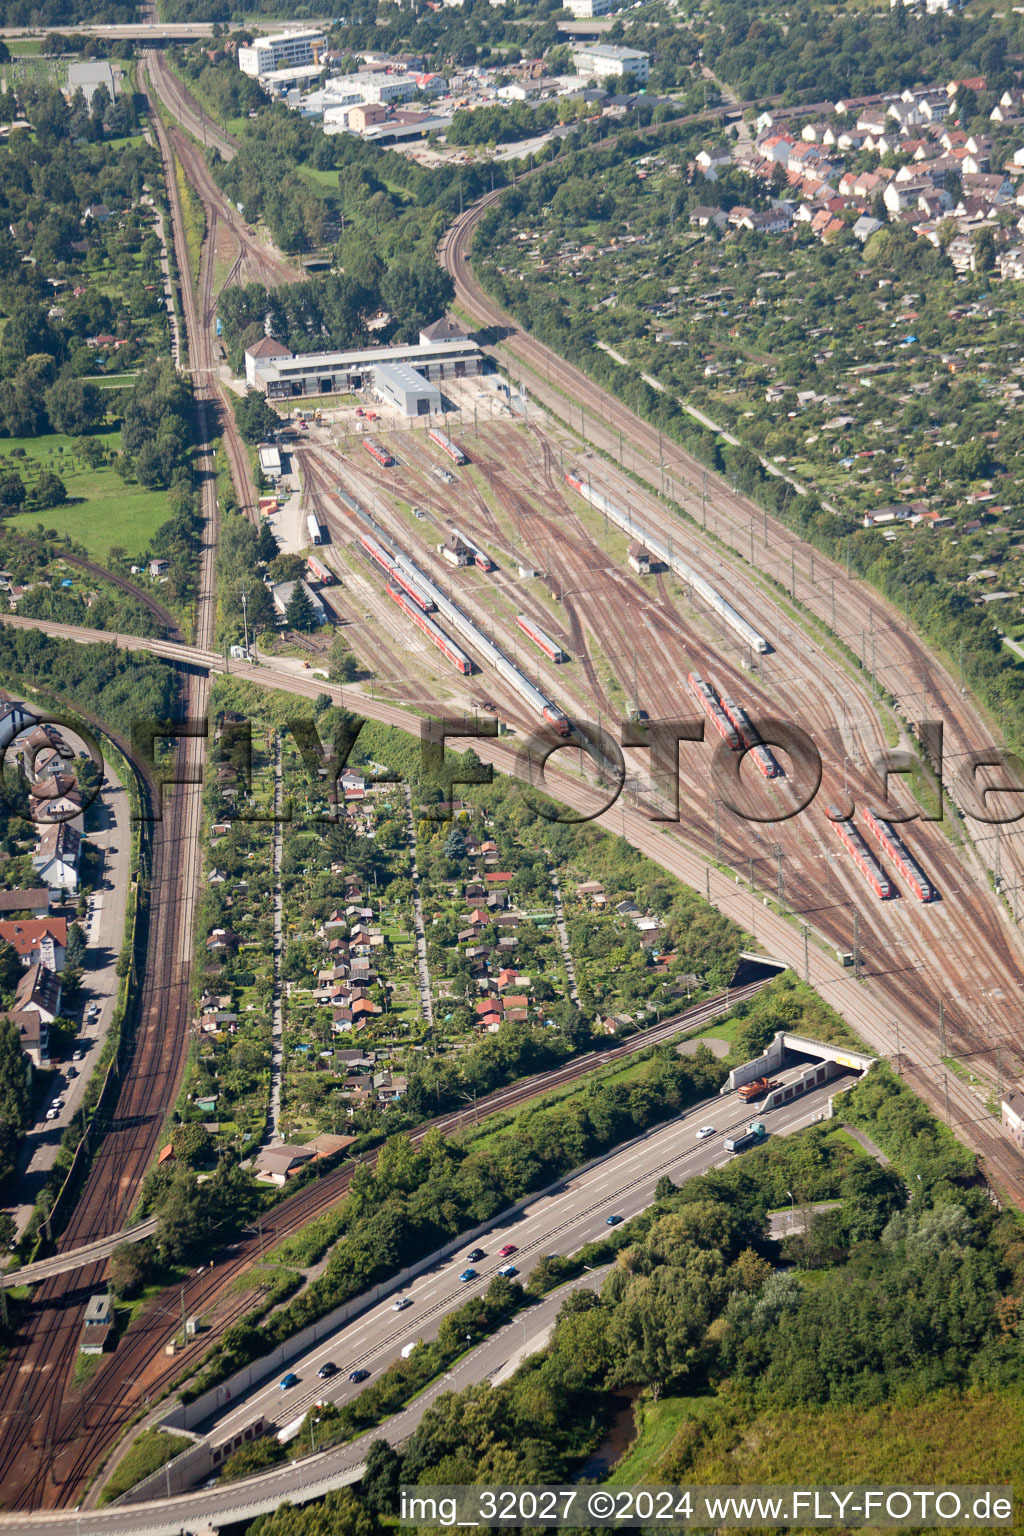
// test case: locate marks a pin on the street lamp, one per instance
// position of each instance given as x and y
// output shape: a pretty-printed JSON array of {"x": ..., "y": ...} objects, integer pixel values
[{"x": 792, "y": 1203}]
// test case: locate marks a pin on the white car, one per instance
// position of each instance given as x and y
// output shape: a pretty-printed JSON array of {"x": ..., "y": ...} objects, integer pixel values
[
  {"x": 401, "y": 1304},
  {"x": 51, "y": 1114},
  {"x": 704, "y": 1132}
]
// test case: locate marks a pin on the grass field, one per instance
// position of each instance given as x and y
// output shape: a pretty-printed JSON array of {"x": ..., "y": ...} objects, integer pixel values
[{"x": 104, "y": 512}]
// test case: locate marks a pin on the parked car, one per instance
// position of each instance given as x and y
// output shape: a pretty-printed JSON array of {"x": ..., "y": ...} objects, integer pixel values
[
  {"x": 51, "y": 1114},
  {"x": 508, "y": 1250},
  {"x": 327, "y": 1369},
  {"x": 358, "y": 1375},
  {"x": 468, "y": 1274},
  {"x": 401, "y": 1304},
  {"x": 70, "y": 1071},
  {"x": 290, "y": 1380},
  {"x": 77, "y": 1055}
]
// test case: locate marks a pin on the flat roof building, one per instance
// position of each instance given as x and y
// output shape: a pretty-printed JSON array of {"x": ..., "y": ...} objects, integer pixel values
[
  {"x": 282, "y": 376},
  {"x": 90, "y": 74},
  {"x": 282, "y": 50},
  {"x": 603, "y": 59},
  {"x": 400, "y": 385},
  {"x": 583, "y": 10}
]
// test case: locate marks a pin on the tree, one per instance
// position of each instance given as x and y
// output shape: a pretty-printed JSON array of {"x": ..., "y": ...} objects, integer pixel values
[
  {"x": 10, "y": 968},
  {"x": 73, "y": 406},
  {"x": 129, "y": 1269},
  {"x": 12, "y": 493},
  {"x": 342, "y": 666},
  {"x": 382, "y": 1478},
  {"x": 300, "y": 614},
  {"x": 49, "y": 491},
  {"x": 256, "y": 419}
]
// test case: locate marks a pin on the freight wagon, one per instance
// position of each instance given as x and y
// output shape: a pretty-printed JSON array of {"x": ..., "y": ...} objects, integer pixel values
[
  {"x": 628, "y": 523},
  {"x": 379, "y": 452},
  {"x": 707, "y": 698},
  {"x": 553, "y": 651},
  {"x": 447, "y": 446},
  {"x": 750, "y": 736},
  {"x": 313, "y": 528},
  {"x": 896, "y": 848},
  {"x": 862, "y": 856},
  {"x": 449, "y": 650}
]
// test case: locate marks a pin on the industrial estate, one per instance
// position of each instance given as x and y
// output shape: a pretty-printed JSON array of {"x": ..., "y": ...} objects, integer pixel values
[{"x": 511, "y": 632}]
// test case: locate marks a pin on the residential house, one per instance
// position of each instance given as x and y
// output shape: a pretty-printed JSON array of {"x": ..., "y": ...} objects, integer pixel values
[
  {"x": 57, "y": 855},
  {"x": 1012, "y": 1116},
  {"x": 38, "y": 941},
  {"x": 277, "y": 1164},
  {"x": 38, "y": 991}
]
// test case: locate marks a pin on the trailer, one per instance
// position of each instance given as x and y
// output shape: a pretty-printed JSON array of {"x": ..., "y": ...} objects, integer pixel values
[
  {"x": 624, "y": 519},
  {"x": 862, "y": 856},
  {"x": 707, "y": 698},
  {"x": 379, "y": 452},
  {"x": 891, "y": 842},
  {"x": 533, "y": 631},
  {"x": 447, "y": 446},
  {"x": 313, "y": 528},
  {"x": 750, "y": 736},
  {"x": 319, "y": 571},
  {"x": 755, "y": 1133},
  {"x": 449, "y": 650}
]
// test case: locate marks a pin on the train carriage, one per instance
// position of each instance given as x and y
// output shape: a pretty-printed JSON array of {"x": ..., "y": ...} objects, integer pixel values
[
  {"x": 862, "y": 856},
  {"x": 437, "y": 637},
  {"x": 891, "y": 842}
]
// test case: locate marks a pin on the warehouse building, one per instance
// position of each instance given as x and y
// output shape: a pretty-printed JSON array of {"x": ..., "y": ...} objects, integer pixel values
[
  {"x": 400, "y": 385},
  {"x": 88, "y": 75},
  {"x": 602, "y": 59},
  {"x": 284, "y": 50},
  {"x": 282, "y": 375}
]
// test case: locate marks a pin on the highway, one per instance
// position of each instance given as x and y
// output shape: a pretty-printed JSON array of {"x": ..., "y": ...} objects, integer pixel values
[{"x": 621, "y": 1184}]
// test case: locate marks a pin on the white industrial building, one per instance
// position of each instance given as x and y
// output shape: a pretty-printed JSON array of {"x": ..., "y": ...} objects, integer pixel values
[
  {"x": 399, "y": 384},
  {"x": 443, "y": 351},
  {"x": 284, "y": 50},
  {"x": 583, "y": 10},
  {"x": 602, "y": 59},
  {"x": 88, "y": 75}
]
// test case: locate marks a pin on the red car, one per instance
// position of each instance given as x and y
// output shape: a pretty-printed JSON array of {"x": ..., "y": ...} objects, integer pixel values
[{"x": 508, "y": 1249}]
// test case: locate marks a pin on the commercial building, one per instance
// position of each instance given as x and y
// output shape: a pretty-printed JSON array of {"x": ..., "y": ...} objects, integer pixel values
[
  {"x": 281, "y": 375},
  {"x": 284, "y": 50},
  {"x": 603, "y": 59},
  {"x": 399, "y": 384},
  {"x": 282, "y": 595}
]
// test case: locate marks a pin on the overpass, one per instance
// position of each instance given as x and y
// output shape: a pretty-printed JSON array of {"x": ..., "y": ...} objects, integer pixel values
[{"x": 76, "y": 1258}]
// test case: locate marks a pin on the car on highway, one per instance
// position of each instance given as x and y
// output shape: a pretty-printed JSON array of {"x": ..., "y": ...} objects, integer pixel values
[
  {"x": 508, "y": 1270},
  {"x": 290, "y": 1380},
  {"x": 327, "y": 1369},
  {"x": 704, "y": 1132},
  {"x": 401, "y": 1304},
  {"x": 508, "y": 1250},
  {"x": 612, "y": 1221},
  {"x": 358, "y": 1375},
  {"x": 468, "y": 1274},
  {"x": 475, "y": 1255}
]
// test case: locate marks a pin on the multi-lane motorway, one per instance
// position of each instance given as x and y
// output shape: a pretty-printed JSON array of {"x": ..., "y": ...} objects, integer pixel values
[{"x": 619, "y": 1185}]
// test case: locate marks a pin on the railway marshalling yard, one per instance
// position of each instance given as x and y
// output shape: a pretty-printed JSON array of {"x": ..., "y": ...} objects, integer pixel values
[{"x": 947, "y": 972}]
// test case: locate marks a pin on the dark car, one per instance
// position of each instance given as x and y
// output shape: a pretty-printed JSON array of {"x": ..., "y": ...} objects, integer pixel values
[
  {"x": 290, "y": 1380},
  {"x": 327, "y": 1369},
  {"x": 475, "y": 1255},
  {"x": 358, "y": 1375},
  {"x": 612, "y": 1221}
]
